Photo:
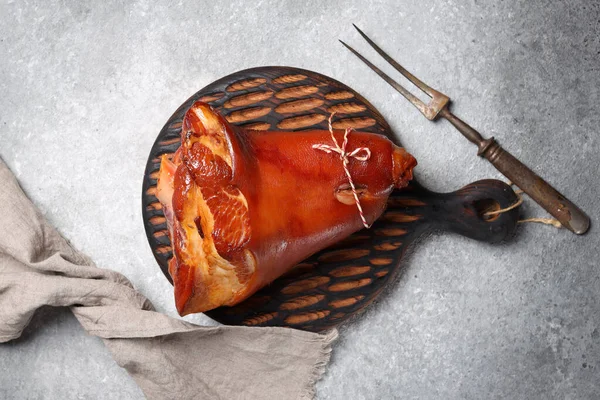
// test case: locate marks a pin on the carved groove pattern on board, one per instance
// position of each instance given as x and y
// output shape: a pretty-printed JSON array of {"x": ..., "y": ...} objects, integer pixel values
[{"x": 338, "y": 282}]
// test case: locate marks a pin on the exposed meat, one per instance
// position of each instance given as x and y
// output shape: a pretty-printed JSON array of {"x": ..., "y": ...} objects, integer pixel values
[{"x": 243, "y": 207}]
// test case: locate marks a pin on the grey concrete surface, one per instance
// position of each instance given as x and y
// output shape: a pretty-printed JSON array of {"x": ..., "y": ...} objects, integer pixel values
[{"x": 85, "y": 86}]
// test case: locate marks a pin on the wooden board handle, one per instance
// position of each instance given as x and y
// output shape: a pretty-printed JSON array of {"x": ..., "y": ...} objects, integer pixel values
[{"x": 463, "y": 211}]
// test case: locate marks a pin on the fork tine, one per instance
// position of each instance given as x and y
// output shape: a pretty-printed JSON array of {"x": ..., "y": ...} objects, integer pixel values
[
  {"x": 416, "y": 81},
  {"x": 408, "y": 95}
]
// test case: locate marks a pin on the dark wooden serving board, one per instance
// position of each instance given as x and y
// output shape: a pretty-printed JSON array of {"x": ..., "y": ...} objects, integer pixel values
[{"x": 339, "y": 282}]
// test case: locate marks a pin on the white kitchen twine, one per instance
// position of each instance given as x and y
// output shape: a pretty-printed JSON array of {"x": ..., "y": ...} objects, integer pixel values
[
  {"x": 344, "y": 156},
  {"x": 547, "y": 221}
]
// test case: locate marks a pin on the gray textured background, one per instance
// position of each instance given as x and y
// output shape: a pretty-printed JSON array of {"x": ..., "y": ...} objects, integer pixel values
[{"x": 85, "y": 86}]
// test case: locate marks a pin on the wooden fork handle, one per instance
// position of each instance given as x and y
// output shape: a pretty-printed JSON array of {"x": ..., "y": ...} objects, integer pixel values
[{"x": 568, "y": 214}]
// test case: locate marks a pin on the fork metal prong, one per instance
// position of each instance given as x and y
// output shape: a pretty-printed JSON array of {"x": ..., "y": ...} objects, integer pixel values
[
  {"x": 408, "y": 95},
  {"x": 430, "y": 110},
  {"x": 416, "y": 81}
]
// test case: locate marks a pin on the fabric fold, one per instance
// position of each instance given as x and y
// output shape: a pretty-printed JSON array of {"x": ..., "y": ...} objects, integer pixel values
[{"x": 168, "y": 358}]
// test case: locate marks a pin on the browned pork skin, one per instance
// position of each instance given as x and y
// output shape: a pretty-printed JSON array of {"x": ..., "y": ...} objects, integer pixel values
[{"x": 243, "y": 207}]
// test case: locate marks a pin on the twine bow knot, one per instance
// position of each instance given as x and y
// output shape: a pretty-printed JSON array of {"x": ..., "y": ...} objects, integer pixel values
[{"x": 360, "y": 154}]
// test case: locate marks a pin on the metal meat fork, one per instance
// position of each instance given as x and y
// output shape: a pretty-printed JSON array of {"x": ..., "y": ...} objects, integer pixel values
[{"x": 568, "y": 214}]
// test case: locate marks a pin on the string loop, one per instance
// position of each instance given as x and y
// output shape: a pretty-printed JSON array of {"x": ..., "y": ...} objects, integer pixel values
[
  {"x": 360, "y": 154},
  {"x": 547, "y": 221}
]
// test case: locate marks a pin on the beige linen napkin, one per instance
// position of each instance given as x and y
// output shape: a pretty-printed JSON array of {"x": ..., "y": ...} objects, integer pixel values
[{"x": 168, "y": 358}]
